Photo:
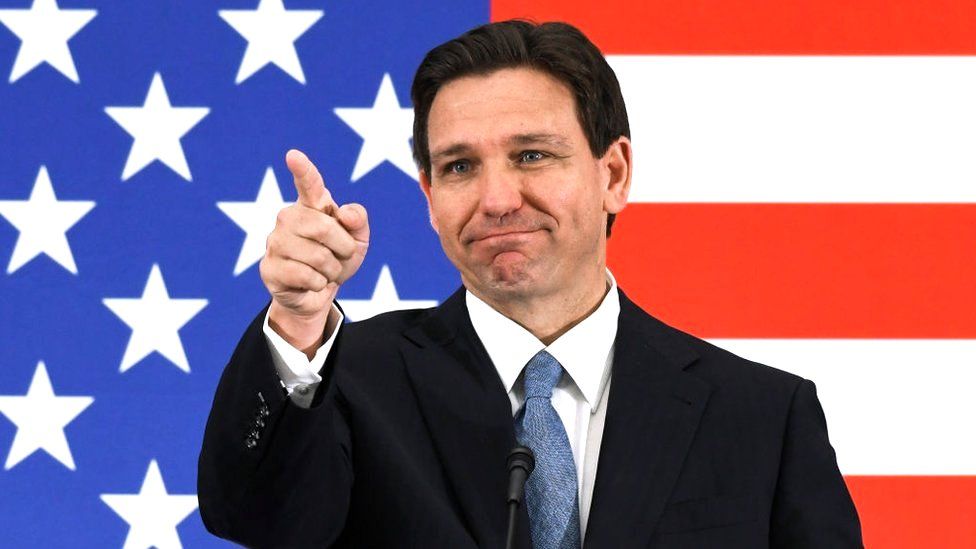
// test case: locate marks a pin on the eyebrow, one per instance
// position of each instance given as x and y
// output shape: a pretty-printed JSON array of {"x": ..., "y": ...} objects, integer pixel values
[
  {"x": 522, "y": 139},
  {"x": 545, "y": 138},
  {"x": 453, "y": 150}
]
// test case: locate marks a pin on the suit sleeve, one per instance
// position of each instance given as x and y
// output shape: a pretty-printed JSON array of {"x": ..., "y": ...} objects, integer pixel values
[
  {"x": 812, "y": 507},
  {"x": 271, "y": 473}
]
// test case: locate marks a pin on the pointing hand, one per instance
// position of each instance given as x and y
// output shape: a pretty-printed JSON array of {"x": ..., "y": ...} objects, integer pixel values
[{"x": 316, "y": 245}]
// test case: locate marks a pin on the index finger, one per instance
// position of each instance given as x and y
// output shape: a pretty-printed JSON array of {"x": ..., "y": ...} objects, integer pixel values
[{"x": 309, "y": 183}]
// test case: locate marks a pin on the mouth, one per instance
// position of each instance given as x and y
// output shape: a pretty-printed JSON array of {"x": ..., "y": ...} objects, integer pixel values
[{"x": 503, "y": 236}]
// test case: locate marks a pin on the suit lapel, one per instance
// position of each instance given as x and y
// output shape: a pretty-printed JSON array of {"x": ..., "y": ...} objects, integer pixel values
[
  {"x": 653, "y": 412},
  {"x": 467, "y": 412}
]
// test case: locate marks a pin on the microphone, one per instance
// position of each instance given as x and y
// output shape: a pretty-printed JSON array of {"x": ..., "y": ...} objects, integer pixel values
[{"x": 521, "y": 461}]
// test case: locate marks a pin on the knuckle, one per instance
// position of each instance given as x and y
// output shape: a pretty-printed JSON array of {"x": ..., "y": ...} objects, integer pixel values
[
  {"x": 313, "y": 280},
  {"x": 281, "y": 271},
  {"x": 327, "y": 227},
  {"x": 322, "y": 256},
  {"x": 282, "y": 218},
  {"x": 333, "y": 269},
  {"x": 277, "y": 244},
  {"x": 320, "y": 284},
  {"x": 271, "y": 274},
  {"x": 295, "y": 276}
]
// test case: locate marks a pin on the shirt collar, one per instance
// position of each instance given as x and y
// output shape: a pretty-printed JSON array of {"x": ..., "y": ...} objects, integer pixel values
[{"x": 583, "y": 351}]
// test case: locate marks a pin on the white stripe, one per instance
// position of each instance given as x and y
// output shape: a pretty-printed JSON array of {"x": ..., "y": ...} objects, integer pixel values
[
  {"x": 801, "y": 128},
  {"x": 893, "y": 407}
]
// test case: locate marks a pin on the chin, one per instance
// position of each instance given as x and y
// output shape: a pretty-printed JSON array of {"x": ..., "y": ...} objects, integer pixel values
[
  {"x": 511, "y": 281},
  {"x": 508, "y": 276}
]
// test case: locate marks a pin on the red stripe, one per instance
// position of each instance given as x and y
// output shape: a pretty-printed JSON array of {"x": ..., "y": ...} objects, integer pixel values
[
  {"x": 762, "y": 26},
  {"x": 802, "y": 270},
  {"x": 913, "y": 512}
]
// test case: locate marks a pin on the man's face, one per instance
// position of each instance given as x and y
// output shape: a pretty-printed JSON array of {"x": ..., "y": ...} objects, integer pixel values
[{"x": 515, "y": 194}]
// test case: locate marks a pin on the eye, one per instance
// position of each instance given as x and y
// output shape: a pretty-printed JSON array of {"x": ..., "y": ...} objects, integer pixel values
[
  {"x": 531, "y": 156},
  {"x": 459, "y": 167}
]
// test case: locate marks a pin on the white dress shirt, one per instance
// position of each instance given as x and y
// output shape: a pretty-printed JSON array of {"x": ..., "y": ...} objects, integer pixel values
[
  {"x": 299, "y": 375},
  {"x": 580, "y": 398}
]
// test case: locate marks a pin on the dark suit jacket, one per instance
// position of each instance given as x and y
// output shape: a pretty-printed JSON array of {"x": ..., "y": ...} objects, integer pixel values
[{"x": 406, "y": 445}]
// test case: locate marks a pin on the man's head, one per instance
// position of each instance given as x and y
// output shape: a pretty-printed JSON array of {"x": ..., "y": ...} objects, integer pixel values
[
  {"x": 522, "y": 138},
  {"x": 558, "y": 49}
]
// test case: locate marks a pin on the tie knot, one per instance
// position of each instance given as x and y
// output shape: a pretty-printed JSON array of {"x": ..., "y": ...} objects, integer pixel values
[{"x": 541, "y": 374}]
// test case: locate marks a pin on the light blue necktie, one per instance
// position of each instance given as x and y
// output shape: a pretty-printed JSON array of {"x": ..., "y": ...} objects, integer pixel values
[{"x": 551, "y": 489}]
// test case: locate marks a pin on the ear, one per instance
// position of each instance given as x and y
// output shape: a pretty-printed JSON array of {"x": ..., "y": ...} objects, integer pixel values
[
  {"x": 425, "y": 187},
  {"x": 617, "y": 164}
]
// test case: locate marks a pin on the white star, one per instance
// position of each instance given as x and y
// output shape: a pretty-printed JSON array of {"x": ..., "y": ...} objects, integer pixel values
[
  {"x": 44, "y": 31},
  {"x": 156, "y": 128},
  {"x": 43, "y": 221},
  {"x": 385, "y": 298},
  {"x": 155, "y": 319},
  {"x": 270, "y": 31},
  {"x": 257, "y": 219},
  {"x": 152, "y": 514},
  {"x": 386, "y": 129},
  {"x": 41, "y": 417}
]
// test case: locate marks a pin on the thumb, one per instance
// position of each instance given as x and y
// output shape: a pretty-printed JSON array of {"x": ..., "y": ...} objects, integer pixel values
[
  {"x": 308, "y": 182},
  {"x": 354, "y": 219}
]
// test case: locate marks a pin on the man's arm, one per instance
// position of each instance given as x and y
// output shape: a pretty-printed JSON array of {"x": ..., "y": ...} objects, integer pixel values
[
  {"x": 812, "y": 507},
  {"x": 275, "y": 471},
  {"x": 272, "y": 473}
]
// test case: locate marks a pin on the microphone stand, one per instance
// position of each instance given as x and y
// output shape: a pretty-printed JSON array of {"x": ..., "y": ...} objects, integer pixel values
[{"x": 521, "y": 461}]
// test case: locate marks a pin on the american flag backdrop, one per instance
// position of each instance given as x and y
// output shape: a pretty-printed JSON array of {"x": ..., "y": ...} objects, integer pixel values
[{"x": 804, "y": 195}]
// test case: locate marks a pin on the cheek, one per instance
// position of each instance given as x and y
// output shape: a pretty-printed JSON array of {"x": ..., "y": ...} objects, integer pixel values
[
  {"x": 574, "y": 203},
  {"x": 449, "y": 211}
]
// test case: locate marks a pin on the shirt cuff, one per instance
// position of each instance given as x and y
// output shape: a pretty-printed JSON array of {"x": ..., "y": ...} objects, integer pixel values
[{"x": 299, "y": 375}]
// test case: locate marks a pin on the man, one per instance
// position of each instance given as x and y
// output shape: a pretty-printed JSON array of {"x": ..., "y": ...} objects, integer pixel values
[{"x": 394, "y": 432}]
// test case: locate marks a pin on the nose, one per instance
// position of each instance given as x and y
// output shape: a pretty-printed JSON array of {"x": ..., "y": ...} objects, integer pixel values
[{"x": 501, "y": 193}]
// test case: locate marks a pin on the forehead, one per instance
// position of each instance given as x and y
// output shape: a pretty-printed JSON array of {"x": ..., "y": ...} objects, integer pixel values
[{"x": 496, "y": 106}]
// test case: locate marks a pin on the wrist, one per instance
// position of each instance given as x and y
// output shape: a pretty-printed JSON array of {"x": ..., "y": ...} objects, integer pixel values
[{"x": 303, "y": 332}]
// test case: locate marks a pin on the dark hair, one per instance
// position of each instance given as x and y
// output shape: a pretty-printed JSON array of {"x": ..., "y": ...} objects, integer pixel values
[{"x": 558, "y": 49}]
